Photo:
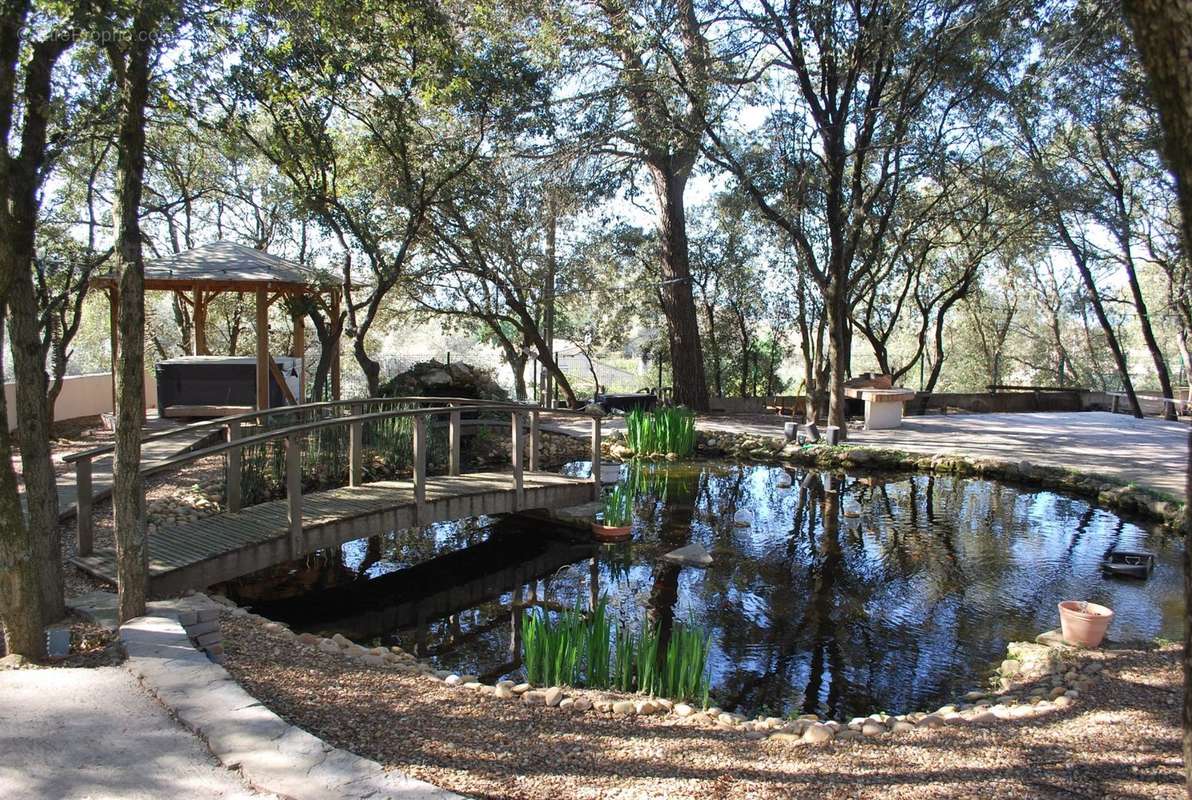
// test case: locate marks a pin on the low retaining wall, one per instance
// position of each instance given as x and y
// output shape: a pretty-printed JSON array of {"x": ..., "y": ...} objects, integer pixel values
[
  {"x": 1009, "y": 402},
  {"x": 81, "y": 396}
]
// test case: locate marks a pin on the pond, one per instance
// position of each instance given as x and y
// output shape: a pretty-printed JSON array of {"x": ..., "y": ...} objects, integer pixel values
[{"x": 846, "y": 595}]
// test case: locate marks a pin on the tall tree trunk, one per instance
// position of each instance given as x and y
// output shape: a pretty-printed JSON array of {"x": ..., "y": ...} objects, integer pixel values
[
  {"x": 327, "y": 331},
  {"x": 33, "y": 430},
  {"x": 1163, "y": 35},
  {"x": 678, "y": 303},
  {"x": 131, "y": 67},
  {"x": 836, "y": 310},
  {"x": 29, "y": 348},
  {"x": 717, "y": 374},
  {"x": 1090, "y": 285},
  {"x": 370, "y": 367},
  {"x": 20, "y": 594},
  {"x": 1148, "y": 336},
  {"x": 746, "y": 374}
]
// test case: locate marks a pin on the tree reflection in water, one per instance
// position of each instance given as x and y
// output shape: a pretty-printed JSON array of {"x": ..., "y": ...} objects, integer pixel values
[{"x": 848, "y": 594}]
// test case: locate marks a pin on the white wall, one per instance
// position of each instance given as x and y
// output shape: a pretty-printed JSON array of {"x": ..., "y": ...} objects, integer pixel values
[{"x": 81, "y": 396}]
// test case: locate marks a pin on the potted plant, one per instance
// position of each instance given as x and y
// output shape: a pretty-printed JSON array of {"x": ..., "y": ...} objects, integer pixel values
[
  {"x": 1083, "y": 624},
  {"x": 615, "y": 522}
]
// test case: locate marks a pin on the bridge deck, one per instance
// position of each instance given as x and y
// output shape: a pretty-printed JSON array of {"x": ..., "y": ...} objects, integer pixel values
[{"x": 226, "y": 546}]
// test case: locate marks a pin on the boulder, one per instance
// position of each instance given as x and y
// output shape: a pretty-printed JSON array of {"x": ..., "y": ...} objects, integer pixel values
[
  {"x": 692, "y": 555},
  {"x": 436, "y": 379}
]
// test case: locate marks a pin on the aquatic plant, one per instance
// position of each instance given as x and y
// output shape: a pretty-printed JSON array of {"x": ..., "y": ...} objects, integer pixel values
[
  {"x": 623, "y": 661},
  {"x": 680, "y": 673},
  {"x": 684, "y": 672},
  {"x": 577, "y": 649},
  {"x": 663, "y": 430},
  {"x": 618, "y": 506},
  {"x": 551, "y": 648},
  {"x": 599, "y": 646}
]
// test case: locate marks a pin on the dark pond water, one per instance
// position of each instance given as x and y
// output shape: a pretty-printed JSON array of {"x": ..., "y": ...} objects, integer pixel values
[{"x": 846, "y": 595}]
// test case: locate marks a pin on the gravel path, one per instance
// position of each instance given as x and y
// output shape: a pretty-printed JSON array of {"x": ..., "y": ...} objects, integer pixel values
[
  {"x": 1123, "y": 742},
  {"x": 96, "y": 734}
]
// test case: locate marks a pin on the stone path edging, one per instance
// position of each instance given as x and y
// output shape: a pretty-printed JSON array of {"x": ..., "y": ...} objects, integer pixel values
[{"x": 273, "y": 755}]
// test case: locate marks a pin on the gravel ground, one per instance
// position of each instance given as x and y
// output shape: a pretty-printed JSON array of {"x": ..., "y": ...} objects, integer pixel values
[
  {"x": 1123, "y": 741},
  {"x": 157, "y": 487},
  {"x": 91, "y": 645}
]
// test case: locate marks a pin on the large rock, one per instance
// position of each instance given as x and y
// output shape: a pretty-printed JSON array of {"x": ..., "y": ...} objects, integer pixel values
[
  {"x": 692, "y": 555},
  {"x": 436, "y": 379}
]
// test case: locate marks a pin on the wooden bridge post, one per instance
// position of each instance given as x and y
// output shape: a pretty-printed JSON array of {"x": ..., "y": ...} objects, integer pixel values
[
  {"x": 596, "y": 458},
  {"x": 454, "y": 432},
  {"x": 294, "y": 492},
  {"x": 86, "y": 532},
  {"x": 355, "y": 452},
  {"x": 517, "y": 456},
  {"x": 232, "y": 473},
  {"x": 420, "y": 510},
  {"x": 534, "y": 441}
]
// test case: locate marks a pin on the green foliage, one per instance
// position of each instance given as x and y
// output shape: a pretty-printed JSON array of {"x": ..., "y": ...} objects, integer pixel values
[
  {"x": 551, "y": 648},
  {"x": 663, "y": 430},
  {"x": 679, "y": 673},
  {"x": 590, "y": 650},
  {"x": 618, "y": 506},
  {"x": 599, "y": 638},
  {"x": 388, "y": 450}
]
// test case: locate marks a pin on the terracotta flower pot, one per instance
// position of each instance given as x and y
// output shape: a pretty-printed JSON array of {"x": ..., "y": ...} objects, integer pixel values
[
  {"x": 1084, "y": 624},
  {"x": 611, "y": 533}
]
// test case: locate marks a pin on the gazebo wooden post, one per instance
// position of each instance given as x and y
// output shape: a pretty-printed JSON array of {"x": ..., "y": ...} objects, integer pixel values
[
  {"x": 300, "y": 352},
  {"x": 262, "y": 349},
  {"x": 114, "y": 321},
  {"x": 336, "y": 294}
]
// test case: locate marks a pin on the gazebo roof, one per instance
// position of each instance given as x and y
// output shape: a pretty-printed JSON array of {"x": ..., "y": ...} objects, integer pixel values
[{"x": 227, "y": 265}]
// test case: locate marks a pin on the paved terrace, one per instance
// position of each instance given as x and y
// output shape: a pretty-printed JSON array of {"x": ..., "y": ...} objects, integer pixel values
[{"x": 1150, "y": 453}]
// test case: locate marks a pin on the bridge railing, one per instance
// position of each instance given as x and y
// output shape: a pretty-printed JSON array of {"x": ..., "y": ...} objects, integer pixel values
[{"x": 292, "y": 436}]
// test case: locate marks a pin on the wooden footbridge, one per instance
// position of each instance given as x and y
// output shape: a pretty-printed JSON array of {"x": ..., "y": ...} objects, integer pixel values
[{"x": 246, "y": 538}]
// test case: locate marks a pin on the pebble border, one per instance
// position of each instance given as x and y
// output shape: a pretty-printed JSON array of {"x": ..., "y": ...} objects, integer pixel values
[{"x": 1036, "y": 679}]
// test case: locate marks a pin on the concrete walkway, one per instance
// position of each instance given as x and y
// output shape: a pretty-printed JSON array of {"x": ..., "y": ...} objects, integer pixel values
[
  {"x": 95, "y": 734},
  {"x": 1150, "y": 453}
]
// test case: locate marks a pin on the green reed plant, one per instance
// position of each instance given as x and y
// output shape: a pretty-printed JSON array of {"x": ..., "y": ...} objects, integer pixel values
[
  {"x": 599, "y": 646},
  {"x": 552, "y": 648},
  {"x": 618, "y": 506},
  {"x": 663, "y": 430},
  {"x": 680, "y": 673},
  {"x": 577, "y": 649},
  {"x": 684, "y": 672},
  {"x": 624, "y": 660}
]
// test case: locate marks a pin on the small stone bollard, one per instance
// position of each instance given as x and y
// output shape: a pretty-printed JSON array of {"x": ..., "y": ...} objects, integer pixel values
[
  {"x": 58, "y": 642},
  {"x": 791, "y": 429},
  {"x": 832, "y": 435}
]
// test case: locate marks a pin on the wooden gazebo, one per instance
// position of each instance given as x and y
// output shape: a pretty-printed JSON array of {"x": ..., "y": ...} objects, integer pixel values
[{"x": 199, "y": 275}]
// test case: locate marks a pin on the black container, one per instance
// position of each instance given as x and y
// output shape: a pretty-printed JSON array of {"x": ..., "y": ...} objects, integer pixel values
[{"x": 211, "y": 381}]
